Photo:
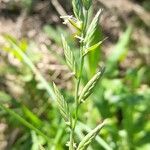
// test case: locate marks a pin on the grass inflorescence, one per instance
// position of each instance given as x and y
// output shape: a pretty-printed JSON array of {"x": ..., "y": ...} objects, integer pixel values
[{"x": 85, "y": 33}]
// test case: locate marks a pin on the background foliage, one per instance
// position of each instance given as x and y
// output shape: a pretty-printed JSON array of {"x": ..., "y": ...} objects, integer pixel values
[{"x": 31, "y": 59}]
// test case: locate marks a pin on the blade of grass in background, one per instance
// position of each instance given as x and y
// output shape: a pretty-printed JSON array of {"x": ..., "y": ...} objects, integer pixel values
[
  {"x": 53, "y": 34},
  {"x": 24, "y": 122},
  {"x": 29, "y": 63},
  {"x": 120, "y": 50},
  {"x": 58, "y": 136},
  {"x": 93, "y": 57},
  {"x": 34, "y": 119},
  {"x": 5, "y": 98}
]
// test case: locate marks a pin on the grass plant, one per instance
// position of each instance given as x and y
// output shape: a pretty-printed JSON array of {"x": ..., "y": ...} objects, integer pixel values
[{"x": 85, "y": 33}]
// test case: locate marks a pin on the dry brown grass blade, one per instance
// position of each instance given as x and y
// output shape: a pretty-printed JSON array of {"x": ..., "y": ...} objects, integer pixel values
[{"x": 61, "y": 11}]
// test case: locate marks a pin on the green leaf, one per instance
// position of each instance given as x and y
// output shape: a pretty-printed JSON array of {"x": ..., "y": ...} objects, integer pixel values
[
  {"x": 52, "y": 33},
  {"x": 121, "y": 45},
  {"x": 77, "y": 24},
  {"x": 69, "y": 56},
  {"x": 88, "y": 89},
  {"x": 30, "y": 115},
  {"x": 86, "y": 141},
  {"x": 24, "y": 122},
  {"x": 30, "y": 64},
  {"x": 92, "y": 48},
  {"x": 62, "y": 104},
  {"x": 120, "y": 50},
  {"x": 9, "y": 48}
]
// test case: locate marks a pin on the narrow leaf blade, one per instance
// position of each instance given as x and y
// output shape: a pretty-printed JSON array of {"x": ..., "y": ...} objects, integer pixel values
[
  {"x": 30, "y": 64},
  {"x": 93, "y": 47},
  {"x": 23, "y": 121}
]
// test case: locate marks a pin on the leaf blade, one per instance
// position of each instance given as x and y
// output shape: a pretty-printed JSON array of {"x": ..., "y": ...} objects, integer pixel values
[
  {"x": 93, "y": 47},
  {"x": 30, "y": 64},
  {"x": 23, "y": 121}
]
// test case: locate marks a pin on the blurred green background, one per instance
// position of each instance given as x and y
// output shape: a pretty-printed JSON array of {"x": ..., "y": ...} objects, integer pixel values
[{"x": 31, "y": 58}]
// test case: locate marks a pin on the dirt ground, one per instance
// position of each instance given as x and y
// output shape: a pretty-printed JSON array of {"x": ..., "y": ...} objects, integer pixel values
[
  {"x": 20, "y": 23},
  {"x": 117, "y": 14}
]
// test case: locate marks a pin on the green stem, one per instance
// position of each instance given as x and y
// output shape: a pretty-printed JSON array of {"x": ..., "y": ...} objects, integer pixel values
[
  {"x": 78, "y": 83},
  {"x": 81, "y": 69},
  {"x": 77, "y": 89},
  {"x": 71, "y": 144}
]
